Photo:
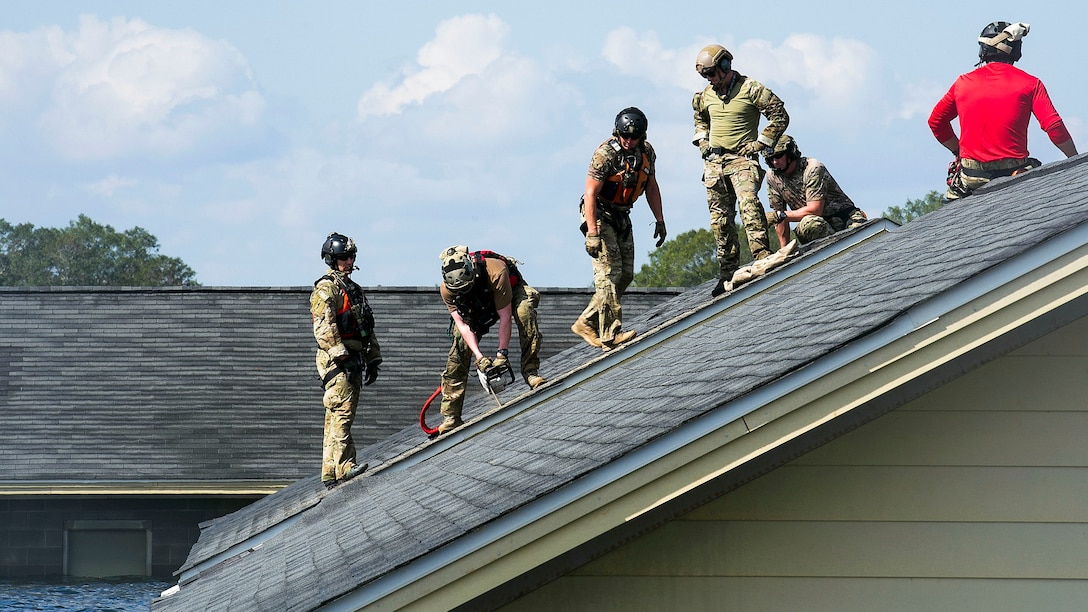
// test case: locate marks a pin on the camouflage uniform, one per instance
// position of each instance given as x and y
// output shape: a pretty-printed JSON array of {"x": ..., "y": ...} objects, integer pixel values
[
  {"x": 724, "y": 123},
  {"x": 614, "y": 266},
  {"x": 811, "y": 181},
  {"x": 523, "y": 300},
  {"x": 346, "y": 349}
]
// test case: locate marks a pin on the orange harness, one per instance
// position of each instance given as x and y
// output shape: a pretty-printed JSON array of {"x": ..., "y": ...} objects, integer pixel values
[{"x": 620, "y": 192}]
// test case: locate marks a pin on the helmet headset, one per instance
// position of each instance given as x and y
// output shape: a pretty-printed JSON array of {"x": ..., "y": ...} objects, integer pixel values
[{"x": 713, "y": 56}]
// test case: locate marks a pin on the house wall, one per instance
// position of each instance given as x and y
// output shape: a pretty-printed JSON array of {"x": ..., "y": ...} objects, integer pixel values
[
  {"x": 32, "y": 528},
  {"x": 972, "y": 497}
]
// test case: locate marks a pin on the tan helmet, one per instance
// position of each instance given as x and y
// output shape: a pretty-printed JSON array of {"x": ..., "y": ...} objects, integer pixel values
[
  {"x": 786, "y": 144},
  {"x": 458, "y": 273},
  {"x": 711, "y": 56}
]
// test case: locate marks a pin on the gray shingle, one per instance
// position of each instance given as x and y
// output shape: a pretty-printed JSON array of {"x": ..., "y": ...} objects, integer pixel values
[{"x": 851, "y": 295}]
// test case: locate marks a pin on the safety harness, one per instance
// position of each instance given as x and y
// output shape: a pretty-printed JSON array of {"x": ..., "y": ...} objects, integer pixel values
[
  {"x": 629, "y": 182},
  {"x": 620, "y": 190},
  {"x": 354, "y": 320},
  {"x": 477, "y": 305}
]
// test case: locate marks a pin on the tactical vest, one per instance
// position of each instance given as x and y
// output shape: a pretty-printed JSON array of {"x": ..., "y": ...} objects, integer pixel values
[
  {"x": 624, "y": 187},
  {"x": 477, "y": 305},
  {"x": 354, "y": 318}
]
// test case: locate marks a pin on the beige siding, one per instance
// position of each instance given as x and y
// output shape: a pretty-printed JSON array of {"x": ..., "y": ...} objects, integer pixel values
[{"x": 972, "y": 497}]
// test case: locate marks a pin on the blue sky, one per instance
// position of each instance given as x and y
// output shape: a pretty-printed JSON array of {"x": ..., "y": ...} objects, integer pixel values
[{"x": 241, "y": 133}]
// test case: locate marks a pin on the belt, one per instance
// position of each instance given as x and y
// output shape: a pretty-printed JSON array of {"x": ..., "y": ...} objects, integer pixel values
[
  {"x": 717, "y": 151},
  {"x": 997, "y": 164}
]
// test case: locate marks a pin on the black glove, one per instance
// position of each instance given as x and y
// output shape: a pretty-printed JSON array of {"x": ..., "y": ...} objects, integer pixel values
[
  {"x": 774, "y": 217},
  {"x": 660, "y": 233},
  {"x": 371, "y": 373}
]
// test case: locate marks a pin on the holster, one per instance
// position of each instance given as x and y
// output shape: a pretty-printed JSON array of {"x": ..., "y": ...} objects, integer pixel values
[{"x": 619, "y": 220}]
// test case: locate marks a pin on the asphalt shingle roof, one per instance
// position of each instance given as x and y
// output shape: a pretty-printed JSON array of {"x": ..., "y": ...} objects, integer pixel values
[
  {"x": 391, "y": 517},
  {"x": 203, "y": 384}
]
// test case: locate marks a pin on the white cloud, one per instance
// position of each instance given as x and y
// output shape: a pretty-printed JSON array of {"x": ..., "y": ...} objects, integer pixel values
[
  {"x": 644, "y": 56},
  {"x": 835, "y": 79},
  {"x": 109, "y": 186},
  {"x": 123, "y": 87},
  {"x": 462, "y": 47}
]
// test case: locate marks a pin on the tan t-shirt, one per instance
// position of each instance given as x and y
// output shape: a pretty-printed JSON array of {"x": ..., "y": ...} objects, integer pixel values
[{"x": 499, "y": 277}]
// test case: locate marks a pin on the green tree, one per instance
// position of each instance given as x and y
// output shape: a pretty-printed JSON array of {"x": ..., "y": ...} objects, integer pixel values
[
  {"x": 689, "y": 259},
  {"x": 684, "y": 261},
  {"x": 914, "y": 208},
  {"x": 86, "y": 254}
]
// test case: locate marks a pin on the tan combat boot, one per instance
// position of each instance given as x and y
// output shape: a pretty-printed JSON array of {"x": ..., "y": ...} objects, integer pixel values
[
  {"x": 587, "y": 333},
  {"x": 619, "y": 339}
]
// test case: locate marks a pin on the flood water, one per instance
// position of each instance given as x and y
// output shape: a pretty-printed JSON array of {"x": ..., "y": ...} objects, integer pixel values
[{"x": 80, "y": 594}]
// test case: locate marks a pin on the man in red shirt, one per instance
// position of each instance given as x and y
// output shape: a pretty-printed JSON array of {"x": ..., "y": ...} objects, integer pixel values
[{"x": 994, "y": 103}]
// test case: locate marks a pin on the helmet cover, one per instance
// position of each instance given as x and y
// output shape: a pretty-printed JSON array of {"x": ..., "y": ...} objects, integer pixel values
[
  {"x": 786, "y": 144},
  {"x": 458, "y": 271}
]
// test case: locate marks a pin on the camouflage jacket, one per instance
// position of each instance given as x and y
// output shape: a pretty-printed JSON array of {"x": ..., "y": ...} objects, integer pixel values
[
  {"x": 342, "y": 325},
  {"x": 731, "y": 120},
  {"x": 810, "y": 181}
]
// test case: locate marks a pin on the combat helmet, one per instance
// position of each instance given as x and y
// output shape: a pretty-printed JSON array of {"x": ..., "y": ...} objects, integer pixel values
[
  {"x": 1000, "y": 42},
  {"x": 458, "y": 271},
  {"x": 336, "y": 245},
  {"x": 631, "y": 122},
  {"x": 712, "y": 56},
  {"x": 786, "y": 144}
]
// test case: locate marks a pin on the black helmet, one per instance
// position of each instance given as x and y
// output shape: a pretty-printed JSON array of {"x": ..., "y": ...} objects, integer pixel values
[
  {"x": 336, "y": 244},
  {"x": 631, "y": 122},
  {"x": 1000, "y": 41},
  {"x": 786, "y": 144}
]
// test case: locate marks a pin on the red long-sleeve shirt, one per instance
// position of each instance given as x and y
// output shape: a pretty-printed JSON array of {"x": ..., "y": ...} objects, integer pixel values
[{"x": 994, "y": 103}]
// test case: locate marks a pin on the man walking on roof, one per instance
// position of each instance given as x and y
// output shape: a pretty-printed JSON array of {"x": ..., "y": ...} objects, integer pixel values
[
  {"x": 621, "y": 170},
  {"x": 994, "y": 103},
  {"x": 348, "y": 355},
  {"x": 480, "y": 289},
  {"x": 800, "y": 190},
  {"x": 727, "y": 133}
]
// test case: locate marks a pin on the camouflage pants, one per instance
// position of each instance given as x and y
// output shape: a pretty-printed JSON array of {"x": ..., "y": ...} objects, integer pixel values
[
  {"x": 732, "y": 184},
  {"x": 974, "y": 174},
  {"x": 460, "y": 358},
  {"x": 341, "y": 400},
  {"x": 813, "y": 227},
  {"x": 613, "y": 271}
]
